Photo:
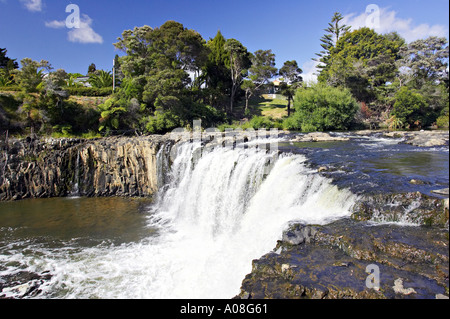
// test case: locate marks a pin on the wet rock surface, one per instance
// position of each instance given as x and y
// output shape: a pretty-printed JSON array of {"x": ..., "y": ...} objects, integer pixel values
[
  {"x": 318, "y": 137},
  {"x": 336, "y": 261},
  {"x": 116, "y": 166},
  {"x": 408, "y": 208},
  {"x": 422, "y": 138},
  {"x": 21, "y": 285}
]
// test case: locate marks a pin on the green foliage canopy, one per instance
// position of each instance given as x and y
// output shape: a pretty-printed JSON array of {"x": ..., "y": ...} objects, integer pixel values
[{"x": 320, "y": 108}]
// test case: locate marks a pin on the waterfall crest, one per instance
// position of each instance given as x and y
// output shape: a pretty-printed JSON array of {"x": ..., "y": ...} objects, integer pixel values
[{"x": 230, "y": 206}]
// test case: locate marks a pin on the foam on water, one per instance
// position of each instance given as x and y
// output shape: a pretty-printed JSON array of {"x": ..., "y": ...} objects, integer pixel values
[{"x": 215, "y": 215}]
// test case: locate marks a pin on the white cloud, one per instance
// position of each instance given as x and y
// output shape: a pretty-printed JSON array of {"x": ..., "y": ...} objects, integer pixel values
[
  {"x": 83, "y": 34},
  {"x": 310, "y": 71},
  {"x": 32, "y": 5},
  {"x": 389, "y": 22},
  {"x": 55, "y": 24}
]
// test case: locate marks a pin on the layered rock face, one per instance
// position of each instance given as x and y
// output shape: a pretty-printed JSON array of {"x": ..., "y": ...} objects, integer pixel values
[
  {"x": 116, "y": 166},
  {"x": 342, "y": 260},
  {"x": 336, "y": 261}
]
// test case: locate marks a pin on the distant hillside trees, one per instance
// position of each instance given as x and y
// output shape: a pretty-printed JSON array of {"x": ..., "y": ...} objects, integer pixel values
[{"x": 376, "y": 67}]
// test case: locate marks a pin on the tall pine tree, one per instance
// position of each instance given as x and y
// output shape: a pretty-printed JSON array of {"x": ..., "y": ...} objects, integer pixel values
[{"x": 335, "y": 31}]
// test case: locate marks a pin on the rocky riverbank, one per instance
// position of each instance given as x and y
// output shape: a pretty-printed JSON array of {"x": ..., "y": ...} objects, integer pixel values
[
  {"x": 116, "y": 166},
  {"x": 336, "y": 261},
  {"x": 403, "y": 236},
  {"x": 421, "y": 138}
]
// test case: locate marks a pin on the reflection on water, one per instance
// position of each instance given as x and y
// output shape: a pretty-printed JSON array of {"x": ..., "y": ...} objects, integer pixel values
[
  {"x": 115, "y": 220},
  {"x": 406, "y": 164},
  {"x": 377, "y": 164}
]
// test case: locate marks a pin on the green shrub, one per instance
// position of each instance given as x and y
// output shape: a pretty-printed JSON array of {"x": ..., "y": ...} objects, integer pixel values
[
  {"x": 223, "y": 127},
  {"x": 260, "y": 122},
  {"x": 442, "y": 121},
  {"x": 209, "y": 115},
  {"x": 10, "y": 88},
  {"x": 409, "y": 107},
  {"x": 321, "y": 108},
  {"x": 91, "y": 135},
  {"x": 88, "y": 91},
  {"x": 162, "y": 122}
]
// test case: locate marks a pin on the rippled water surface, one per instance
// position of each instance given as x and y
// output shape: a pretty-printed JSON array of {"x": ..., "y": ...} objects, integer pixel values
[{"x": 212, "y": 218}]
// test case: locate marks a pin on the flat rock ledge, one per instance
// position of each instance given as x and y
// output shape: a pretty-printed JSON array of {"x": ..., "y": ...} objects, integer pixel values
[
  {"x": 318, "y": 137},
  {"x": 422, "y": 138},
  {"x": 404, "y": 237},
  {"x": 341, "y": 261}
]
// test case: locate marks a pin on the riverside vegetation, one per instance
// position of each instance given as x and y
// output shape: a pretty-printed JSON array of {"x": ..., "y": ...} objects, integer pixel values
[{"x": 168, "y": 76}]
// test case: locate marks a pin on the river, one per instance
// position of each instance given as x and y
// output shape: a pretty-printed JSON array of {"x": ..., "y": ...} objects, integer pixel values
[{"x": 215, "y": 214}]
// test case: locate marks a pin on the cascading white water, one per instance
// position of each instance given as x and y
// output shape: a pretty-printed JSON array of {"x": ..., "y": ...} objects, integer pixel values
[
  {"x": 218, "y": 213},
  {"x": 76, "y": 179}
]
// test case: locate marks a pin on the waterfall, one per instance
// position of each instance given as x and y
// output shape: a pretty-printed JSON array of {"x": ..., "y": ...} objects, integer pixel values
[
  {"x": 76, "y": 179},
  {"x": 215, "y": 214},
  {"x": 223, "y": 210}
]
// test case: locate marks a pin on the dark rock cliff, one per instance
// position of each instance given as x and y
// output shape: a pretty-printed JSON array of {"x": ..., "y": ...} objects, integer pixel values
[{"x": 116, "y": 166}]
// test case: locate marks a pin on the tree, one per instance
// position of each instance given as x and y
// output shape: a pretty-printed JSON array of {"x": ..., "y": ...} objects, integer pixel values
[
  {"x": 101, "y": 79},
  {"x": 156, "y": 67},
  {"x": 364, "y": 61},
  {"x": 30, "y": 76},
  {"x": 91, "y": 69},
  {"x": 7, "y": 63},
  {"x": 261, "y": 71},
  {"x": 322, "y": 107},
  {"x": 7, "y": 66},
  {"x": 292, "y": 80},
  {"x": 249, "y": 88},
  {"x": 424, "y": 68},
  {"x": 239, "y": 63},
  {"x": 427, "y": 59},
  {"x": 335, "y": 32},
  {"x": 409, "y": 107},
  {"x": 216, "y": 73}
]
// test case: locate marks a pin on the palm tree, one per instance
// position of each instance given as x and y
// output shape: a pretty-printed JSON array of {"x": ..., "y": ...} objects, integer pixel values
[
  {"x": 6, "y": 78},
  {"x": 101, "y": 79}
]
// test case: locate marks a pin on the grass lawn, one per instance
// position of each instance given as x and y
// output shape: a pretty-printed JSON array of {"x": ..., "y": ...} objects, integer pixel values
[{"x": 266, "y": 105}]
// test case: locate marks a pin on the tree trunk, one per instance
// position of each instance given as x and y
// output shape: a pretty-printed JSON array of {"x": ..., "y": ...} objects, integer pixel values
[
  {"x": 233, "y": 94},
  {"x": 289, "y": 106},
  {"x": 248, "y": 95}
]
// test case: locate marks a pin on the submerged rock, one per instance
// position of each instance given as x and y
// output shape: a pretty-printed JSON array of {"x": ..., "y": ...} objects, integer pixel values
[
  {"x": 22, "y": 285},
  {"x": 409, "y": 208}
]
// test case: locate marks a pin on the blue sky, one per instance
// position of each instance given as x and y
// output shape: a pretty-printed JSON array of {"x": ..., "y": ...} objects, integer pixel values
[{"x": 291, "y": 28}]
